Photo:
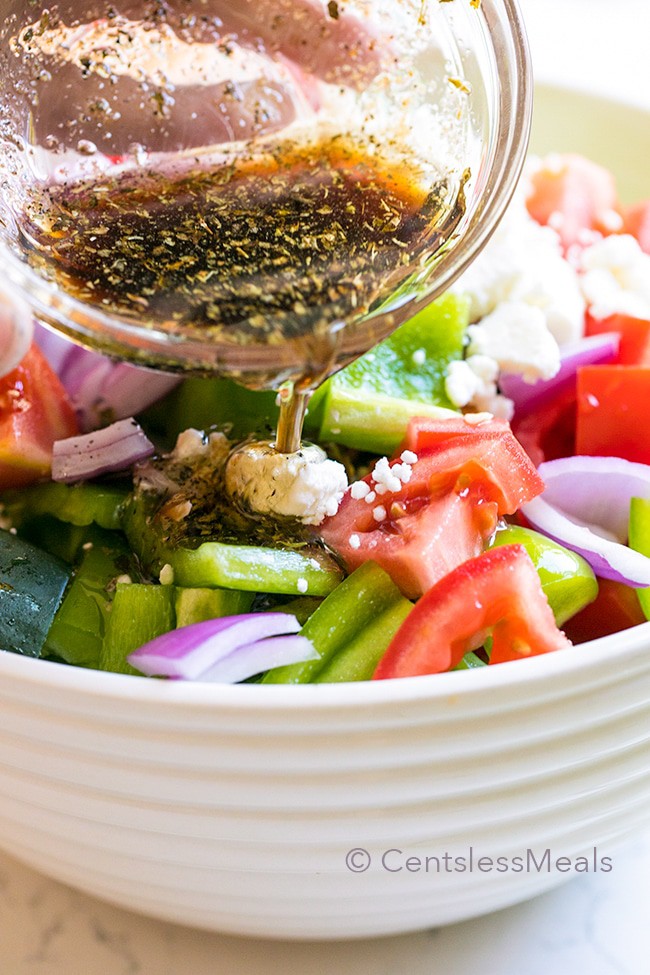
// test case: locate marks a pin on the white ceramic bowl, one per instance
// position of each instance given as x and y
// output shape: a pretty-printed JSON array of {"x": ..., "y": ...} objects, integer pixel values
[{"x": 234, "y": 808}]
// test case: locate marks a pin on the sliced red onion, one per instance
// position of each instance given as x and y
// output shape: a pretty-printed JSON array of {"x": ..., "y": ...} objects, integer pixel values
[
  {"x": 115, "y": 448},
  {"x": 16, "y": 332},
  {"x": 255, "y": 658},
  {"x": 189, "y": 652},
  {"x": 592, "y": 351},
  {"x": 99, "y": 387},
  {"x": 586, "y": 507}
]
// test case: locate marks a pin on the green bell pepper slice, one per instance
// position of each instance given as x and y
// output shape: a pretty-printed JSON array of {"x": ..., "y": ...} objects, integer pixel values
[
  {"x": 639, "y": 540},
  {"x": 567, "y": 579},
  {"x": 341, "y": 622},
  {"x": 79, "y": 627},
  {"x": 368, "y": 404},
  {"x": 139, "y": 613}
]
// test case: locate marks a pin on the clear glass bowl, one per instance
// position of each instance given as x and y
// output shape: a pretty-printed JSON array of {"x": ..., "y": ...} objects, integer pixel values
[{"x": 435, "y": 93}]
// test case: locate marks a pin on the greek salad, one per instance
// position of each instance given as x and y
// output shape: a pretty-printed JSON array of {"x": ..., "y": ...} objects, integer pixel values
[{"x": 475, "y": 490}]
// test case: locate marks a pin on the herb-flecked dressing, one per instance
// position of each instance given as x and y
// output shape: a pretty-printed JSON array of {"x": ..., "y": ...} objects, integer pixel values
[{"x": 247, "y": 252}]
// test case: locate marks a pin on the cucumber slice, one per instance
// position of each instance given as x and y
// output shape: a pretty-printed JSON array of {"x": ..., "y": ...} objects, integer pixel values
[{"x": 32, "y": 584}]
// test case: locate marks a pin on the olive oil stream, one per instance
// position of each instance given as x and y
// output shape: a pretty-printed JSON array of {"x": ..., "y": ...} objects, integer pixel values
[{"x": 284, "y": 249}]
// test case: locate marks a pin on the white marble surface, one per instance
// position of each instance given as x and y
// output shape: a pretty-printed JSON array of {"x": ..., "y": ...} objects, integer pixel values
[{"x": 595, "y": 925}]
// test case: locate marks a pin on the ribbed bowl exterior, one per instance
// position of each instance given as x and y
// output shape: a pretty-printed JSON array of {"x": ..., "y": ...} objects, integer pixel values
[{"x": 234, "y": 808}]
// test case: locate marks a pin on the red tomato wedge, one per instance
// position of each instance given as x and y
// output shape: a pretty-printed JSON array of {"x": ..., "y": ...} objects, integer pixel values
[
  {"x": 612, "y": 410},
  {"x": 615, "y": 608},
  {"x": 34, "y": 412},
  {"x": 459, "y": 487},
  {"x": 415, "y": 547},
  {"x": 636, "y": 221},
  {"x": 550, "y": 432},
  {"x": 634, "y": 349},
  {"x": 497, "y": 594},
  {"x": 491, "y": 446},
  {"x": 574, "y": 195},
  {"x": 424, "y": 434}
]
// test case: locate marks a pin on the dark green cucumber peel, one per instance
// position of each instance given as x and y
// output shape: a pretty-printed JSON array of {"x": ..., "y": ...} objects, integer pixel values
[
  {"x": 32, "y": 584},
  {"x": 59, "y": 538}
]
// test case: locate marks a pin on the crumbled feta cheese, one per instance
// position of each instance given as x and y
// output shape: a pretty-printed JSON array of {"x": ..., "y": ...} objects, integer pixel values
[
  {"x": 461, "y": 383},
  {"x": 302, "y": 585},
  {"x": 355, "y": 541},
  {"x": 516, "y": 336},
  {"x": 370, "y": 498},
  {"x": 403, "y": 472},
  {"x": 87, "y": 546},
  {"x": 476, "y": 419},
  {"x": 305, "y": 485},
  {"x": 523, "y": 262},
  {"x": 124, "y": 580},
  {"x": 611, "y": 220},
  {"x": 359, "y": 490},
  {"x": 379, "y": 514},
  {"x": 484, "y": 366},
  {"x": 419, "y": 357},
  {"x": 166, "y": 576},
  {"x": 384, "y": 478},
  {"x": 409, "y": 457},
  {"x": 616, "y": 277},
  {"x": 189, "y": 443},
  {"x": 498, "y": 406},
  {"x": 472, "y": 383}
]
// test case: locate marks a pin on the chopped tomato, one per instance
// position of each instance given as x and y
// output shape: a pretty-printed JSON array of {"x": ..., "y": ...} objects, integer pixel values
[
  {"x": 549, "y": 433},
  {"x": 574, "y": 196},
  {"x": 34, "y": 412},
  {"x": 491, "y": 446},
  {"x": 416, "y": 545},
  {"x": 616, "y": 608},
  {"x": 444, "y": 514},
  {"x": 497, "y": 595},
  {"x": 634, "y": 349},
  {"x": 425, "y": 434},
  {"x": 636, "y": 221},
  {"x": 612, "y": 411}
]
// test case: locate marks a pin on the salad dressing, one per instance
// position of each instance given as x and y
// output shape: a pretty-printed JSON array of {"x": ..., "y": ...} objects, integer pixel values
[{"x": 271, "y": 250}]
